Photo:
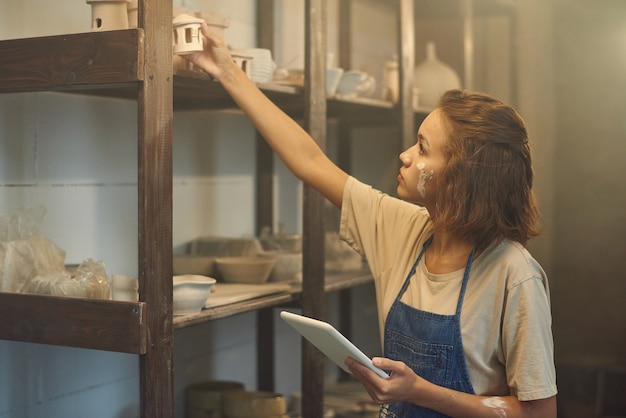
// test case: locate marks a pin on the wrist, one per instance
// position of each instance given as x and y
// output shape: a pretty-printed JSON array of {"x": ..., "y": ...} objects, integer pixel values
[{"x": 230, "y": 74}]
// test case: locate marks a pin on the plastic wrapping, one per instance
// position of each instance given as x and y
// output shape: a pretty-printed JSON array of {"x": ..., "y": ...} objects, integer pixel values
[
  {"x": 32, "y": 263},
  {"x": 89, "y": 280},
  {"x": 24, "y": 253}
]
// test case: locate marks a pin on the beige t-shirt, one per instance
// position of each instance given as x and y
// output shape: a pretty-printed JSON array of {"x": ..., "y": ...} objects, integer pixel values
[{"x": 505, "y": 318}]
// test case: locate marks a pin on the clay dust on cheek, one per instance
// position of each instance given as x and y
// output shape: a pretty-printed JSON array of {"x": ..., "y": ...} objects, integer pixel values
[{"x": 424, "y": 177}]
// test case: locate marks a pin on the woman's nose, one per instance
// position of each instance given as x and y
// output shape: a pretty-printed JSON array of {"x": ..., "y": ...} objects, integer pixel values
[{"x": 405, "y": 158}]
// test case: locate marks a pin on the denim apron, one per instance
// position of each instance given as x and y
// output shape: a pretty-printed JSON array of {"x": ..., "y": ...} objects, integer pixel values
[{"x": 429, "y": 343}]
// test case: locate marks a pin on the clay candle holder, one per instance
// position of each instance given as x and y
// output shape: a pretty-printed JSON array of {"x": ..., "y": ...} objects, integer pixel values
[
  {"x": 108, "y": 14},
  {"x": 187, "y": 35}
]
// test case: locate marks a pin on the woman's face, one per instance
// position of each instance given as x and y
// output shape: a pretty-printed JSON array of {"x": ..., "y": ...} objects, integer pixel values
[{"x": 423, "y": 162}]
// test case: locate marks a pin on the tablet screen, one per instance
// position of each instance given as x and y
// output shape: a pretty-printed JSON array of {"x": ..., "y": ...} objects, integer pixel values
[{"x": 329, "y": 341}]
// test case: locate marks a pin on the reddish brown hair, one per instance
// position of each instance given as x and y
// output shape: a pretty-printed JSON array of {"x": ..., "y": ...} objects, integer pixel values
[{"x": 485, "y": 191}]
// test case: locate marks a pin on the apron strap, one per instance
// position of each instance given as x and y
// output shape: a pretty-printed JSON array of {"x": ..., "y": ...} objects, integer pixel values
[
  {"x": 412, "y": 272},
  {"x": 468, "y": 267}
]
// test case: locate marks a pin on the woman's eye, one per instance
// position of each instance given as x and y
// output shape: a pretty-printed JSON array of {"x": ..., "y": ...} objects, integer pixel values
[{"x": 420, "y": 148}]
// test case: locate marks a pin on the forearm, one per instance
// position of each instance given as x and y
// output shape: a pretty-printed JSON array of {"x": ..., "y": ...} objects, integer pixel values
[
  {"x": 463, "y": 405},
  {"x": 288, "y": 139}
]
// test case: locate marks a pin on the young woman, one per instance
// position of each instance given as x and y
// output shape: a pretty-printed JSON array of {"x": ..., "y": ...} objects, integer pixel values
[{"x": 463, "y": 307}]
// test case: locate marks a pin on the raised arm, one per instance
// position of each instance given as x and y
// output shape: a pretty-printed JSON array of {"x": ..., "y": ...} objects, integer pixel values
[{"x": 291, "y": 143}]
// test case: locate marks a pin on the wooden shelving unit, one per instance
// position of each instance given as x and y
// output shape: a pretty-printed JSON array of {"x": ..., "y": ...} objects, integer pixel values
[{"x": 137, "y": 64}]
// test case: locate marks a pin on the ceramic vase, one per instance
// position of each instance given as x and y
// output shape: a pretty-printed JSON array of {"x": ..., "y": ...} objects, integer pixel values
[{"x": 433, "y": 77}]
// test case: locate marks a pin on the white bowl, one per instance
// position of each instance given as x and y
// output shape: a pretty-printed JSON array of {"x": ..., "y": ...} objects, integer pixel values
[
  {"x": 250, "y": 270},
  {"x": 190, "y": 293}
]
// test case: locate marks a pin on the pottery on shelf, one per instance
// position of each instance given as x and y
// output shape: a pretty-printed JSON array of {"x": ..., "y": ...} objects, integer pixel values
[
  {"x": 391, "y": 80},
  {"x": 356, "y": 83},
  {"x": 132, "y": 9},
  {"x": 187, "y": 35},
  {"x": 108, "y": 14},
  {"x": 243, "y": 61},
  {"x": 433, "y": 78},
  {"x": 261, "y": 66}
]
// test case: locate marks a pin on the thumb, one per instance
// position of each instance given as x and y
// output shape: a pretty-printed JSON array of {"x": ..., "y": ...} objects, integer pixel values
[{"x": 387, "y": 364}]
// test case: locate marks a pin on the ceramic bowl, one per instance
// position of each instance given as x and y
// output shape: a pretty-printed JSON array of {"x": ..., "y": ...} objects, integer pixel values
[
  {"x": 254, "y": 404},
  {"x": 190, "y": 293},
  {"x": 288, "y": 267},
  {"x": 339, "y": 256},
  {"x": 250, "y": 270},
  {"x": 224, "y": 247},
  {"x": 281, "y": 242},
  {"x": 193, "y": 264}
]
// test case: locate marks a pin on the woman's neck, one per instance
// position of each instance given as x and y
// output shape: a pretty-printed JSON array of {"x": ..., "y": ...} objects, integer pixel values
[{"x": 447, "y": 253}]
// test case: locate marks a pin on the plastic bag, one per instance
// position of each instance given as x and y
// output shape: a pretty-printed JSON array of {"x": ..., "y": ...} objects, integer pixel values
[
  {"x": 24, "y": 253},
  {"x": 89, "y": 280}
]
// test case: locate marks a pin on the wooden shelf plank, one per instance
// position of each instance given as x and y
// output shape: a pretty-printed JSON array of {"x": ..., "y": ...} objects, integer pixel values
[
  {"x": 94, "y": 324},
  {"x": 195, "y": 90},
  {"x": 234, "y": 309},
  {"x": 334, "y": 282},
  {"x": 71, "y": 61},
  {"x": 75, "y": 322}
]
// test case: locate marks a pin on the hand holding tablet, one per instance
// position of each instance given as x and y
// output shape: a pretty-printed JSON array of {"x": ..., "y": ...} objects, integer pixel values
[{"x": 329, "y": 341}]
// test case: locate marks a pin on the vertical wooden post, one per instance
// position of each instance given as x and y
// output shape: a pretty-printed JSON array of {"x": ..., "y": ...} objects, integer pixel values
[
  {"x": 264, "y": 211},
  {"x": 406, "y": 53},
  {"x": 313, "y": 205},
  {"x": 155, "y": 207}
]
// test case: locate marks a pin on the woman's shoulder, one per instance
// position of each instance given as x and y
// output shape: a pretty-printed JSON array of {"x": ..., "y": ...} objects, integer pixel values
[
  {"x": 367, "y": 195},
  {"x": 511, "y": 260}
]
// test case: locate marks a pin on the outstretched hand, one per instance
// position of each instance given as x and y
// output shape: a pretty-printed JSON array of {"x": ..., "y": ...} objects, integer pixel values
[{"x": 216, "y": 59}]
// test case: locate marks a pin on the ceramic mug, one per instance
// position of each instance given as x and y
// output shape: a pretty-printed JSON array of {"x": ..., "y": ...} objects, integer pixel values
[{"x": 333, "y": 76}]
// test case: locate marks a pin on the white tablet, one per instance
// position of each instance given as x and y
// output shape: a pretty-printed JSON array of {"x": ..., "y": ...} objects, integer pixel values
[{"x": 329, "y": 341}]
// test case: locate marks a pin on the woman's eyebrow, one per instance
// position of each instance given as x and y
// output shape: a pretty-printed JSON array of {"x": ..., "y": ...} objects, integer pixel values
[{"x": 423, "y": 139}]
